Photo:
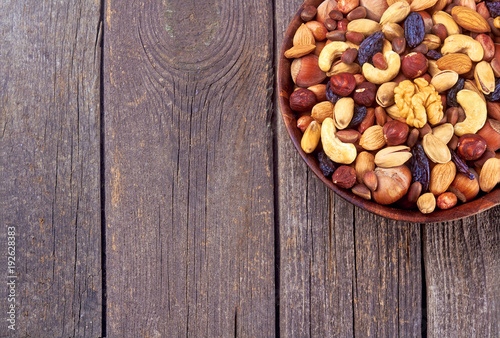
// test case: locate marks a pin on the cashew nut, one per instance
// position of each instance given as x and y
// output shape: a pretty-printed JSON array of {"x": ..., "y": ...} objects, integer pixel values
[
  {"x": 329, "y": 53},
  {"x": 475, "y": 112},
  {"x": 337, "y": 151},
  {"x": 447, "y": 20},
  {"x": 460, "y": 43},
  {"x": 379, "y": 76}
]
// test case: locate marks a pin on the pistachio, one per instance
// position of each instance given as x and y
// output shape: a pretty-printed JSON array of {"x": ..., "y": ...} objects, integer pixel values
[
  {"x": 435, "y": 149},
  {"x": 385, "y": 94},
  {"x": 343, "y": 112},
  {"x": 392, "y": 156},
  {"x": 444, "y": 80},
  {"x": 444, "y": 132},
  {"x": 485, "y": 78}
]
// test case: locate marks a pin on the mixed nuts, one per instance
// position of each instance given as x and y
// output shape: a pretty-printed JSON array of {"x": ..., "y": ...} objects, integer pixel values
[{"x": 400, "y": 100}]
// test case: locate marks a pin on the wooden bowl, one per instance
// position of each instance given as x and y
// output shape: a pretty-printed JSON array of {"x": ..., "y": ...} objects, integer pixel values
[{"x": 285, "y": 88}]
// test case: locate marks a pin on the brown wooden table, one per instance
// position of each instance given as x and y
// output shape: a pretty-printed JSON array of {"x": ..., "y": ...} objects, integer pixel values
[{"x": 154, "y": 192}]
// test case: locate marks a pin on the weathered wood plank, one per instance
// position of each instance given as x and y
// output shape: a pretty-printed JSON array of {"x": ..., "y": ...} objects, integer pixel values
[
  {"x": 189, "y": 185},
  {"x": 343, "y": 271},
  {"x": 462, "y": 263},
  {"x": 50, "y": 168}
]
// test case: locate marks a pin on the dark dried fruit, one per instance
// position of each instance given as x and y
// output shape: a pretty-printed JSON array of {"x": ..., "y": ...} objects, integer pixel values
[
  {"x": 326, "y": 165},
  {"x": 461, "y": 165},
  {"x": 494, "y": 8},
  {"x": 434, "y": 54},
  {"x": 370, "y": 46},
  {"x": 495, "y": 96},
  {"x": 419, "y": 165},
  {"x": 414, "y": 29},
  {"x": 357, "y": 118},
  {"x": 330, "y": 95},
  {"x": 451, "y": 98}
]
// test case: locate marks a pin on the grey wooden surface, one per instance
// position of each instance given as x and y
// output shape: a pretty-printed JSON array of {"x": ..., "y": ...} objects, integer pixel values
[{"x": 155, "y": 192}]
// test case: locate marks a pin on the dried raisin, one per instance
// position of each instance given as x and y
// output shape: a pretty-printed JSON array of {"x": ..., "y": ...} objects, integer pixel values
[
  {"x": 369, "y": 47},
  {"x": 451, "y": 98},
  {"x": 461, "y": 165},
  {"x": 330, "y": 95},
  {"x": 414, "y": 29},
  {"x": 434, "y": 54},
  {"x": 420, "y": 170},
  {"x": 494, "y": 8},
  {"x": 359, "y": 115},
  {"x": 325, "y": 164}
]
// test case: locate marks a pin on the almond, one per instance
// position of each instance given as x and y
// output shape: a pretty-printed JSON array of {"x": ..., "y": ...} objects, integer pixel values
[
  {"x": 303, "y": 36},
  {"x": 470, "y": 20},
  {"x": 490, "y": 174},
  {"x": 322, "y": 110},
  {"x": 441, "y": 177},
  {"x": 457, "y": 62},
  {"x": 372, "y": 138},
  {"x": 299, "y": 51}
]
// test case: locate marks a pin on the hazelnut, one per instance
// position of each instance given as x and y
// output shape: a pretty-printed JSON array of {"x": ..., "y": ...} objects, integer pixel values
[
  {"x": 306, "y": 72},
  {"x": 303, "y": 122},
  {"x": 464, "y": 188},
  {"x": 364, "y": 94},
  {"x": 426, "y": 203},
  {"x": 396, "y": 132},
  {"x": 344, "y": 177},
  {"x": 471, "y": 147},
  {"x": 342, "y": 84},
  {"x": 414, "y": 65},
  {"x": 486, "y": 156},
  {"x": 317, "y": 29},
  {"x": 393, "y": 184},
  {"x": 302, "y": 100},
  {"x": 491, "y": 134},
  {"x": 446, "y": 200}
]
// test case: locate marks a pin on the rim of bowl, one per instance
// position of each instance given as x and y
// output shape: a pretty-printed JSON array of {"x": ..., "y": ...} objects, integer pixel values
[{"x": 285, "y": 86}]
